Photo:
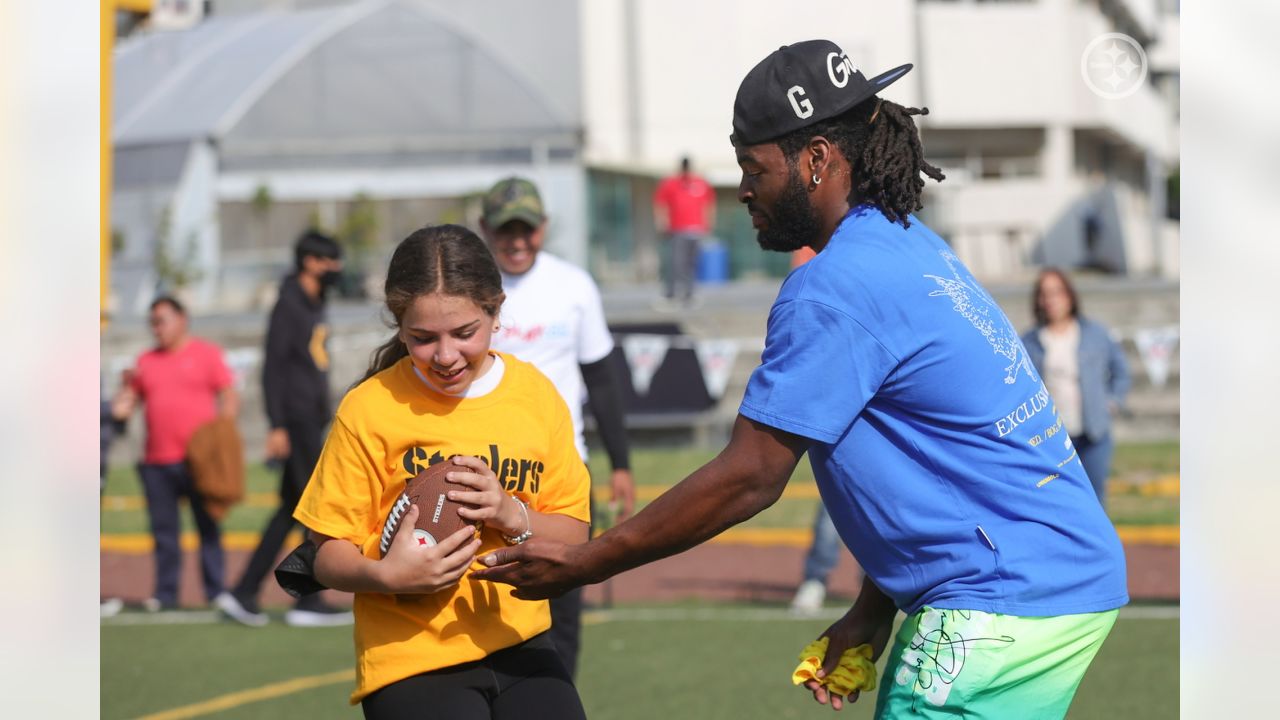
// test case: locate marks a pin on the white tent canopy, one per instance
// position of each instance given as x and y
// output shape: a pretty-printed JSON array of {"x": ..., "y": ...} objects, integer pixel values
[
  {"x": 380, "y": 74},
  {"x": 338, "y": 98}
]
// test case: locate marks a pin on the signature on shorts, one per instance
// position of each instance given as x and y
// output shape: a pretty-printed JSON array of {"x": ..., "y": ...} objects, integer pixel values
[{"x": 936, "y": 656}]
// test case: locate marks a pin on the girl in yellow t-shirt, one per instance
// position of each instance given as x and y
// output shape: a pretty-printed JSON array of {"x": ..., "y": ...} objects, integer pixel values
[{"x": 430, "y": 640}]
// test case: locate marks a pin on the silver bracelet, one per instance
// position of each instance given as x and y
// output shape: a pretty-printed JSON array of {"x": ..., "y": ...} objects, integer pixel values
[{"x": 528, "y": 527}]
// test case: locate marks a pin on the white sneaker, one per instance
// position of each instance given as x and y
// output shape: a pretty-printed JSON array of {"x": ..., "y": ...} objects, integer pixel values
[
  {"x": 153, "y": 605},
  {"x": 313, "y": 611},
  {"x": 234, "y": 609},
  {"x": 111, "y": 607},
  {"x": 809, "y": 598},
  {"x": 322, "y": 617}
]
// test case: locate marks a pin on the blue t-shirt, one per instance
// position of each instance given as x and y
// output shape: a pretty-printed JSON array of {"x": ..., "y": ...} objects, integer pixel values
[{"x": 937, "y": 448}]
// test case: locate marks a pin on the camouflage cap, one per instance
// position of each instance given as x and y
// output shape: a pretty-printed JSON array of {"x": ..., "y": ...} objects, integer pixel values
[{"x": 513, "y": 199}]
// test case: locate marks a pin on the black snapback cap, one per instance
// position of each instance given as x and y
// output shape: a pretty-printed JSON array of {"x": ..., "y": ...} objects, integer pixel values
[{"x": 799, "y": 85}]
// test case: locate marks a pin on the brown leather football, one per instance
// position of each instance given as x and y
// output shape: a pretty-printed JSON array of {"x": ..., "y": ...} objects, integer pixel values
[{"x": 438, "y": 516}]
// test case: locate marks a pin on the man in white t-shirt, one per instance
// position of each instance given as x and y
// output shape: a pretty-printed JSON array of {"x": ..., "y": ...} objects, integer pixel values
[{"x": 553, "y": 318}]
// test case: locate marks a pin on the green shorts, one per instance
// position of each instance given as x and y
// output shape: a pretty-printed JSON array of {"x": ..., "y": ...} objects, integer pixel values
[{"x": 965, "y": 663}]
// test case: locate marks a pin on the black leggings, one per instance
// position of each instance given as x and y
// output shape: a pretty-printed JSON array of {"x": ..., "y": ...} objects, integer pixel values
[{"x": 524, "y": 682}]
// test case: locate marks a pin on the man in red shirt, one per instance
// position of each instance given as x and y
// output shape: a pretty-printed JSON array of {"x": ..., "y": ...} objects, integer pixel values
[
  {"x": 684, "y": 210},
  {"x": 183, "y": 382}
]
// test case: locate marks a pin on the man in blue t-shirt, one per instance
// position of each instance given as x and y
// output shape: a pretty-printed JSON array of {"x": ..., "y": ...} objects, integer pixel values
[{"x": 937, "y": 449}]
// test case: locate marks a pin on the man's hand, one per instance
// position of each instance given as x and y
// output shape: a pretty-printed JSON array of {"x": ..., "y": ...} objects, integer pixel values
[
  {"x": 228, "y": 402},
  {"x": 278, "y": 444},
  {"x": 624, "y": 494},
  {"x": 124, "y": 403},
  {"x": 745, "y": 478},
  {"x": 862, "y": 624},
  {"x": 539, "y": 569}
]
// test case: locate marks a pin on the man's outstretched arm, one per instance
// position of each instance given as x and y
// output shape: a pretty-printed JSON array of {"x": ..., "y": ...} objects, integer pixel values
[{"x": 745, "y": 478}]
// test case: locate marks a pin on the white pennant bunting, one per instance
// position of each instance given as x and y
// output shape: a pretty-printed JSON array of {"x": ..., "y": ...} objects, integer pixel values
[
  {"x": 716, "y": 359},
  {"x": 1156, "y": 346},
  {"x": 645, "y": 354}
]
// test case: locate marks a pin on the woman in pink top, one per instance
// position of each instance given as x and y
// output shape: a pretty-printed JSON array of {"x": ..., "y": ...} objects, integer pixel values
[{"x": 182, "y": 383}]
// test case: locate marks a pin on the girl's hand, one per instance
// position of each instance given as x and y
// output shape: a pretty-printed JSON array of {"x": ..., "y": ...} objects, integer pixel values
[
  {"x": 414, "y": 567},
  {"x": 487, "y": 500}
]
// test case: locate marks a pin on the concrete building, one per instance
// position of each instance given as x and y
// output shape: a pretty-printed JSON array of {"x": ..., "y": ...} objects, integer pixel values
[{"x": 1041, "y": 170}]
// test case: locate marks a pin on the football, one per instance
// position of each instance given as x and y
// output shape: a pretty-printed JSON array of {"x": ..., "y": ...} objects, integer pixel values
[{"x": 437, "y": 515}]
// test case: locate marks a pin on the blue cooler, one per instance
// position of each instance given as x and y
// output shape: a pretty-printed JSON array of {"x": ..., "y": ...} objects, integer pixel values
[{"x": 713, "y": 263}]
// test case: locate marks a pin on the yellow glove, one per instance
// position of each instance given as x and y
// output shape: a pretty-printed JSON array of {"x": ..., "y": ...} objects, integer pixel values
[{"x": 856, "y": 672}]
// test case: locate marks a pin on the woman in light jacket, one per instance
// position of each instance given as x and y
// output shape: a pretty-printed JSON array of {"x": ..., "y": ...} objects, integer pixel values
[{"x": 1083, "y": 368}]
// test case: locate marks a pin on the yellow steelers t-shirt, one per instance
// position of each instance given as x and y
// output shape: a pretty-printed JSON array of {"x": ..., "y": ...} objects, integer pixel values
[{"x": 389, "y": 428}]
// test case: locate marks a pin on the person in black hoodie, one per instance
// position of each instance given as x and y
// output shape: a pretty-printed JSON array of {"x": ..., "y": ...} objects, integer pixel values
[{"x": 295, "y": 386}]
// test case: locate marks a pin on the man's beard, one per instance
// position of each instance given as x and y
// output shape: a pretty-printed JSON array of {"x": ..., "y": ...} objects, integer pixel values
[{"x": 794, "y": 222}]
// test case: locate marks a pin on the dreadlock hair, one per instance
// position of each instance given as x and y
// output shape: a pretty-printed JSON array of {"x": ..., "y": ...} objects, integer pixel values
[
  {"x": 882, "y": 145},
  {"x": 445, "y": 259}
]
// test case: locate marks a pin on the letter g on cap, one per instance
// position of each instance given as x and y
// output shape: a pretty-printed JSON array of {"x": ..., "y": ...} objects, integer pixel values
[
  {"x": 839, "y": 68},
  {"x": 799, "y": 102}
]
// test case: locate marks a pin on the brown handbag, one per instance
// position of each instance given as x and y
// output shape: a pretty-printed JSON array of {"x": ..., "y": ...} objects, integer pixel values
[{"x": 215, "y": 457}]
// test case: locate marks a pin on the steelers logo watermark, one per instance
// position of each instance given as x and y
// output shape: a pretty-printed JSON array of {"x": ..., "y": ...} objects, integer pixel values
[
  {"x": 1114, "y": 66},
  {"x": 424, "y": 538}
]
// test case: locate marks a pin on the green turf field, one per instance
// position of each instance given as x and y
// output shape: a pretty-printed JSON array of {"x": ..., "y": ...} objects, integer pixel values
[
  {"x": 688, "y": 661},
  {"x": 729, "y": 664}
]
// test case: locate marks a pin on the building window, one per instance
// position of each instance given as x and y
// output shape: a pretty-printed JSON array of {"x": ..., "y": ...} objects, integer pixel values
[{"x": 610, "y": 219}]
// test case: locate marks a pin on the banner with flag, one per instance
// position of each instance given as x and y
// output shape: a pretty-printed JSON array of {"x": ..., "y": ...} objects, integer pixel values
[
  {"x": 1156, "y": 347},
  {"x": 716, "y": 359},
  {"x": 645, "y": 354}
]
